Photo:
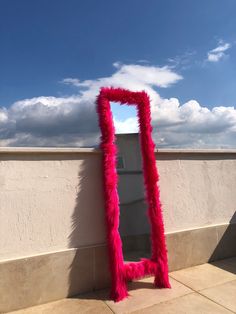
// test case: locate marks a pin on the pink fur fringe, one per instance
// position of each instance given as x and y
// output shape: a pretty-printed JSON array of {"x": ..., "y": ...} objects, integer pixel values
[{"x": 158, "y": 264}]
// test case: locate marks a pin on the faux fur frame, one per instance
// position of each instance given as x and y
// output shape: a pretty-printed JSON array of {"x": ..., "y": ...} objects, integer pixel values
[{"x": 157, "y": 265}]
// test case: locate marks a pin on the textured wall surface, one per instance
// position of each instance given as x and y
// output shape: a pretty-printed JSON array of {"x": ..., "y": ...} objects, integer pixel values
[
  {"x": 52, "y": 200},
  {"x": 197, "y": 189}
]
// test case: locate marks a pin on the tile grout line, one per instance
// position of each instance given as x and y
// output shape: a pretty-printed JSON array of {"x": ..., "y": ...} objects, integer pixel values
[
  {"x": 94, "y": 279},
  {"x": 199, "y": 292},
  {"x": 219, "y": 284},
  {"x": 103, "y": 301},
  {"x": 107, "y": 307},
  {"x": 183, "y": 284},
  {"x": 145, "y": 307},
  {"x": 179, "y": 297},
  {"x": 162, "y": 302},
  {"x": 214, "y": 301}
]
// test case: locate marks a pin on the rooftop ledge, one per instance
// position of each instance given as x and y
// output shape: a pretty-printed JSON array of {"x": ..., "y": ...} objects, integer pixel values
[
  {"x": 69, "y": 150},
  {"x": 51, "y": 150}
]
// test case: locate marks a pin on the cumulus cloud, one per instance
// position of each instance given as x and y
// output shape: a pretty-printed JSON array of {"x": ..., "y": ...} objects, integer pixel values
[
  {"x": 218, "y": 53},
  {"x": 134, "y": 77},
  {"x": 49, "y": 121},
  {"x": 193, "y": 125},
  {"x": 72, "y": 121}
]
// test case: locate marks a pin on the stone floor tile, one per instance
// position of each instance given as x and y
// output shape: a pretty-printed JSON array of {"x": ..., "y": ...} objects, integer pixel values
[
  {"x": 224, "y": 294},
  {"x": 142, "y": 294},
  {"x": 192, "y": 303},
  {"x": 88, "y": 305},
  {"x": 202, "y": 276}
]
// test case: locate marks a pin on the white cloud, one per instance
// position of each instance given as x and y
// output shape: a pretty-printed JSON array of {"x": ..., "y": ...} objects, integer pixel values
[
  {"x": 218, "y": 53},
  {"x": 72, "y": 121},
  {"x": 134, "y": 77},
  {"x": 3, "y": 115},
  {"x": 137, "y": 74},
  {"x": 192, "y": 125},
  {"x": 50, "y": 121}
]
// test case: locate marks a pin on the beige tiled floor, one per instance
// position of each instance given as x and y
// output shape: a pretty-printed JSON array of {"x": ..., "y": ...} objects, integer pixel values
[
  {"x": 142, "y": 295},
  {"x": 224, "y": 294},
  {"x": 203, "y": 289},
  {"x": 203, "y": 276},
  {"x": 192, "y": 303},
  {"x": 69, "y": 306}
]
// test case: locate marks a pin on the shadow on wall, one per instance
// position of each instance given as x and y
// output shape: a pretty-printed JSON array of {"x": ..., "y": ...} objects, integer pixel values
[
  {"x": 76, "y": 221},
  {"x": 87, "y": 226},
  {"x": 226, "y": 247}
]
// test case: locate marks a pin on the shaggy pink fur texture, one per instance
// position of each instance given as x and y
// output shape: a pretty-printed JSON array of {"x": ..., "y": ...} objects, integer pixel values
[{"x": 158, "y": 264}]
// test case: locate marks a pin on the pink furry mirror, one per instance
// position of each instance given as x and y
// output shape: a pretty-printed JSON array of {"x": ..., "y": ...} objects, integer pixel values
[{"x": 157, "y": 265}]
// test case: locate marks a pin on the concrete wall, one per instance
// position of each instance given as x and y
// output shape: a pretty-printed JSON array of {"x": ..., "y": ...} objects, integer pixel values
[
  {"x": 52, "y": 232},
  {"x": 197, "y": 188},
  {"x": 52, "y": 199}
]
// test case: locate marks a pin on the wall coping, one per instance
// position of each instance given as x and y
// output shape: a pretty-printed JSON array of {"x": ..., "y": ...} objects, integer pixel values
[
  {"x": 69, "y": 150},
  {"x": 48, "y": 150},
  {"x": 195, "y": 151}
]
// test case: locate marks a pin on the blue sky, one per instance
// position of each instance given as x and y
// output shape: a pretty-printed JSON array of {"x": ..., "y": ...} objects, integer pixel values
[{"x": 47, "y": 45}]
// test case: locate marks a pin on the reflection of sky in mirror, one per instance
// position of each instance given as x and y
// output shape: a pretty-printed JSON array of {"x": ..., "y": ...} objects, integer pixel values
[
  {"x": 125, "y": 118},
  {"x": 122, "y": 112}
]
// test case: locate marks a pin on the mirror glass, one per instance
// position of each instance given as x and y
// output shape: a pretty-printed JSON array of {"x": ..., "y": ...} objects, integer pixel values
[{"x": 134, "y": 226}]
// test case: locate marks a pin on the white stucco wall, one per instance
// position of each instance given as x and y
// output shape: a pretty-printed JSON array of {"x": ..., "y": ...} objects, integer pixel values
[
  {"x": 197, "y": 189},
  {"x": 51, "y": 199}
]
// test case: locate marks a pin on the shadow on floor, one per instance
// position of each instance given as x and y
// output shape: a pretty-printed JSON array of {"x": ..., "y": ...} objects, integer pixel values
[
  {"x": 103, "y": 295},
  {"x": 228, "y": 264}
]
